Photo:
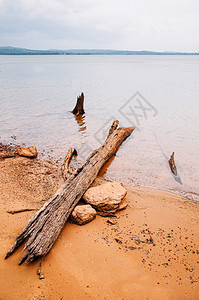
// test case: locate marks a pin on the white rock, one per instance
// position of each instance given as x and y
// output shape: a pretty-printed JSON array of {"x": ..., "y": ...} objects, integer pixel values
[
  {"x": 27, "y": 151},
  {"x": 106, "y": 197},
  {"x": 83, "y": 214}
]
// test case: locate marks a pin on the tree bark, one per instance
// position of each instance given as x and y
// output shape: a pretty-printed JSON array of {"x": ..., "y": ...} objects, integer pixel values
[
  {"x": 44, "y": 227},
  {"x": 79, "y": 107}
]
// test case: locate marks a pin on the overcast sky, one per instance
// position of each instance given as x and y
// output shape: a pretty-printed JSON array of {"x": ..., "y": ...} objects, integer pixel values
[{"x": 158, "y": 25}]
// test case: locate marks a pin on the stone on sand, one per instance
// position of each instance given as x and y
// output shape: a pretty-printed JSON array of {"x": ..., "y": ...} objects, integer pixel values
[
  {"x": 106, "y": 197},
  {"x": 83, "y": 214},
  {"x": 27, "y": 151}
]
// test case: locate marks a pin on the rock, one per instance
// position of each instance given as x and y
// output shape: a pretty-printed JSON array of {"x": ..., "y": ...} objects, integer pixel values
[
  {"x": 7, "y": 151},
  {"x": 123, "y": 204},
  {"x": 83, "y": 214},
  {"x": 106, "y": 197},
  {"x": 27, "y": 151},
  {"x": 41, "y": 276},
  {"x": 111, "y": 222}
]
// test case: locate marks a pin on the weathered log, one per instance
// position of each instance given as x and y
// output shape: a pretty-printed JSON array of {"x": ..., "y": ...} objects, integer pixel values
[
  {"x": 172, "y": 165},
  {"x": 44, "y": 227},
  {"x": 79, "y": 107}
]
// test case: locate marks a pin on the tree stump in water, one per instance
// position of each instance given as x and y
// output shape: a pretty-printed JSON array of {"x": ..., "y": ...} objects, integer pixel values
[
  {"x": 79, "y": 107},
  {"x": 43, "y": 229}
]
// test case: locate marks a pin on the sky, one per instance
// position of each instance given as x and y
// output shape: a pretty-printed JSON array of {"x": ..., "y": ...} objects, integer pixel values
[{"x": 159, "y": 25}]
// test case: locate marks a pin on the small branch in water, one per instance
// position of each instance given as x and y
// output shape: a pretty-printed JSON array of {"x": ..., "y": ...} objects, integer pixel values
[{"x": 172, "y": 165}]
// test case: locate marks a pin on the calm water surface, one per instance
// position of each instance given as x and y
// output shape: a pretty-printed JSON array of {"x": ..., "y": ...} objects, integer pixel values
[{"x": 38, "y": 92}]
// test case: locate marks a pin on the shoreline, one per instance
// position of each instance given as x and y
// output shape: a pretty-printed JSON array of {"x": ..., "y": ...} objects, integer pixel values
[
  {"x": 100, "y": 260},
  {"x": 42, "y": 156}
]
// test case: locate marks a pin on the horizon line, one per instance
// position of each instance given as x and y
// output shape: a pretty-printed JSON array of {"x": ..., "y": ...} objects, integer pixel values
[{"x": 92, "y": 51}]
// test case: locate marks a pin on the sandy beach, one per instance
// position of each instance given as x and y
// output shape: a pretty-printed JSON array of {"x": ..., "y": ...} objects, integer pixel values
[{"x": 150, "y": 251}]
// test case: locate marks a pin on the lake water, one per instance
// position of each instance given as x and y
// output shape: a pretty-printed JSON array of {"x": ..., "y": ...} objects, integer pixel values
[{"x": 38, "y": 93}]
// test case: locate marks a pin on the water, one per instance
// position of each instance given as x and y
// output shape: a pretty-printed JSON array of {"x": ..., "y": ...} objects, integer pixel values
[{"x": 38, "y": 93}]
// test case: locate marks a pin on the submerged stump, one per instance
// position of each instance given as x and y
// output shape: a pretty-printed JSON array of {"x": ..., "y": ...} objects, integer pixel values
[{"x": 79, "y": 107}]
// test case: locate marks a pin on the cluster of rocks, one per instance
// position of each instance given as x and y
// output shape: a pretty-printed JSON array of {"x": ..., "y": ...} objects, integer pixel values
[
  {"x": 108, "y": 197},
  {"x": 7, "y": 151}
]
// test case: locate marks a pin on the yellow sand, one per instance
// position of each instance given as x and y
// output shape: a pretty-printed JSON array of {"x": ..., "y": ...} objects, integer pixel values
[{"x": 100, "y": 260}]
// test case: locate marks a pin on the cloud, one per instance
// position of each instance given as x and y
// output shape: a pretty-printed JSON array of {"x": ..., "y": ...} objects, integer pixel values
[{"x": 120, "y": 24}]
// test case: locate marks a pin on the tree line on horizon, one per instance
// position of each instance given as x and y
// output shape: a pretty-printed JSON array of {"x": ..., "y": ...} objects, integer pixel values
[{"x": 23, "y": 51}]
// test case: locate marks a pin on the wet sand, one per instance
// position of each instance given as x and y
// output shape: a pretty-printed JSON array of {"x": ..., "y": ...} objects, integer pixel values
[{"x": 150, "y": 251}]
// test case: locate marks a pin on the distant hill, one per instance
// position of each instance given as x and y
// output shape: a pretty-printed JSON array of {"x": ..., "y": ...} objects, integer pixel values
[{"x": 22, "y": 51}]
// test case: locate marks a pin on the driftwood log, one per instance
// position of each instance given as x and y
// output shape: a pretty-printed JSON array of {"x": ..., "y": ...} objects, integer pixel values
[
  {"x": 79, "y": 107},
  {"x": 44, "y": 227}
]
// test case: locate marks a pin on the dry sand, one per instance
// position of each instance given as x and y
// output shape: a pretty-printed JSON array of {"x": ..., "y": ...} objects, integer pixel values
[{"x": 151, "y": 251}]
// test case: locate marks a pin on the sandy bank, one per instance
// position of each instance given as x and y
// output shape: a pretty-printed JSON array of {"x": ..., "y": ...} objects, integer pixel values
[{"x": 152, "y": 251}]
